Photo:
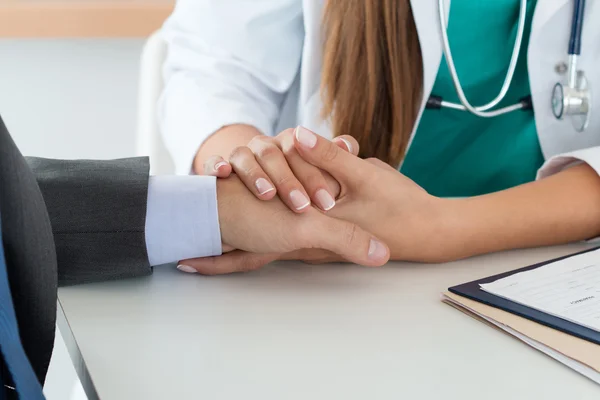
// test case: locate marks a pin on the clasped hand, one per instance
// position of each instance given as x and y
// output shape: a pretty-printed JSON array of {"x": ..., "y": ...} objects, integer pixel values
[{"x": 300, "y": 196}]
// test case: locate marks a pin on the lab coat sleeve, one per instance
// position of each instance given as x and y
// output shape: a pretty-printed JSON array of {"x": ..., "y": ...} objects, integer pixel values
[
  {"x": 229, "y": 62},
  {"x": 560, "y": 162}
]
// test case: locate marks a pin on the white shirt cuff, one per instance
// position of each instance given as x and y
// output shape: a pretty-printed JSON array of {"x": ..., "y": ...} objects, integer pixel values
[{"x": 182, "y": 219}]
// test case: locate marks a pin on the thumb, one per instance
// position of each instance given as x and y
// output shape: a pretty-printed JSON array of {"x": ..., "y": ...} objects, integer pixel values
[
  {"x": 328, "y": 156},
  {"x": 347, "y": 240}
]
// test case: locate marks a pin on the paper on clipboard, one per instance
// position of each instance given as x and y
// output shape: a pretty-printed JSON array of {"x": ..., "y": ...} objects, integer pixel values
[{"x": 568, "y": 289}]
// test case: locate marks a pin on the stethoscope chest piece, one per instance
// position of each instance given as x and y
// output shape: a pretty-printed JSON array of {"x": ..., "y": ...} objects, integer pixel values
[
  {"x": 574, "y": 98},
  {"x": 574, "y": 101}
]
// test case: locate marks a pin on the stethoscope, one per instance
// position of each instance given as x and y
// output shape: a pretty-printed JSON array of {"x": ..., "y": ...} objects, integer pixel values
[{"x": 571, "y": 99}]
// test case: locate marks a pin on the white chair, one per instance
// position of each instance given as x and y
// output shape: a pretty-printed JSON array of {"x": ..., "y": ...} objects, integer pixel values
[{"x": 148, "y": 139}]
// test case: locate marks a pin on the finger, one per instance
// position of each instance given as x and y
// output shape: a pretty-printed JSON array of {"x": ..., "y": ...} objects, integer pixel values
[
  {"x": 273, "y": 162},
  {"x": 348, "y": 143},
  {"x": 345, "y": 239},
  {"x": 309, "y": 176},
  {"x": 344, "y": 167},
  {"x": 334, "y": 186},
  {"x": 217, "y": 166},
  {"x": 235, "y": 261},
  {"x": 251, "y": 173}
]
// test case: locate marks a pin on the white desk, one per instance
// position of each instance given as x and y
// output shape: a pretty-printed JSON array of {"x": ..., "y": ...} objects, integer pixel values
[{"x": 295, "y": 331}]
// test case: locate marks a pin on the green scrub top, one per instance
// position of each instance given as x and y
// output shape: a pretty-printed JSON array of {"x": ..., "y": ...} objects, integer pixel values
[{"x": 455, "y": 153}]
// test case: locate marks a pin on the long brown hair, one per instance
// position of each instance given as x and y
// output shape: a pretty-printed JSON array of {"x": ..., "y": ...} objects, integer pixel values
[{"x": 372, "y": 74}]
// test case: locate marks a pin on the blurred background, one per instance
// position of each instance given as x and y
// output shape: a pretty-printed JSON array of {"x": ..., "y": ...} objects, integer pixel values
[{"x": 69, "y": 82}]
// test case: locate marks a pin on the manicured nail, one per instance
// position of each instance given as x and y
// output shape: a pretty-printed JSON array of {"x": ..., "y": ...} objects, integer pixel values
[
  {"x": 263, "y": 186},
  {"x": 299, "y": 200},
  {"x": 219, "y": 165},
  {"x": 186, "y": 268},
  {"x": 377, "y": 250},
  {"x": 306, "y": 137},
  {"x": 326, "y": 202},
  {"x": 348, "y": 145}
]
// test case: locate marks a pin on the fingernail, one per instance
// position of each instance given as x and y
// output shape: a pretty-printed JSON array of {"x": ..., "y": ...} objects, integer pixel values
[
  {"x": 306, "y": 137},
  {"x": 324, "y": 199},
  {"x": 219, "y": 165},
  {"x": 299, "y": 200},
  {"x": 348, "y": 145},
  {"x": 377, "y": 250},
  {"x": 186, "y": 268},
  {"x": 263, "y": 186}
]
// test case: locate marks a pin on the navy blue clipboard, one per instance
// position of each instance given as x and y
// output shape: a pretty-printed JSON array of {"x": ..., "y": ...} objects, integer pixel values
[{"x": 472, "y": 291}]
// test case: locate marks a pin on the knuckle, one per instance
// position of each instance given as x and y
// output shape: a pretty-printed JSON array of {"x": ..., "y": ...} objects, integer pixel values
[
  {"x": 287, "y": 135},
  {"x": 330, "y": 153},
  {"x": 313, "y": 180},
  {"x": 288, "y": 149},
  {"x": 239, "y": 152},
  {"x": 266, "y": 151},
  {"x": 285, "y": 180},
  {"x": 258, "y": 140},
  {"x": 253, "y": 172}
]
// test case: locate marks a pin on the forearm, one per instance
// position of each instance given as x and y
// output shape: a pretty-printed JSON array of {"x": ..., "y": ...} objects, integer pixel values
[
  {"x": 97, "y": 210},
  {"x": 222, "y": 143},
  {"x": 559, "y": 209}
]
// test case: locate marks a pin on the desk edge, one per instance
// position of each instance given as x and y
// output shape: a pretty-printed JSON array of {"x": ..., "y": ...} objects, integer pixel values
[{"x": 75, "y": 354}]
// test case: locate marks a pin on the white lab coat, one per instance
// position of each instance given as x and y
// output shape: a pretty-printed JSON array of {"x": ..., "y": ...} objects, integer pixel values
[{"x": 259, "y": 63}]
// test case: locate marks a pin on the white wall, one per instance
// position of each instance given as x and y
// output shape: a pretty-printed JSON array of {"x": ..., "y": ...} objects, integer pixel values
[{"x": 70, "y": 99}]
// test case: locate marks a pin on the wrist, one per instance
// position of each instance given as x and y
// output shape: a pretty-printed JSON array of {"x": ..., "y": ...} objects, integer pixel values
[
  {"x": 222, "y": 142},
  {"x": 224, "y": 200},
  {"x": 456, "y": 232},
  {"x": 475, "y": 225}
]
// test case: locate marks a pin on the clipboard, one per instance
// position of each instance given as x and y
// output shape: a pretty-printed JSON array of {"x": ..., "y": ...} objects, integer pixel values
[
  {"x": 578, "y": 354},
  {"x": 472, "y": 291}
]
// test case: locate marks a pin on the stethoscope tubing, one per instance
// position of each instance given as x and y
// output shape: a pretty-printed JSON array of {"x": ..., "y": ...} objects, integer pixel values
[
  {"x": 574, "y": 51},
  {"x": 465, "y": 105},
  {"x": 576, "y": 28}
]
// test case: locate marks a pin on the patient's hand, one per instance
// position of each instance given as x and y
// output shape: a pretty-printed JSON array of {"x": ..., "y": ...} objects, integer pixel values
[
  {"x": 271, "y": 229},
  {"x": 239, "y": 261}
]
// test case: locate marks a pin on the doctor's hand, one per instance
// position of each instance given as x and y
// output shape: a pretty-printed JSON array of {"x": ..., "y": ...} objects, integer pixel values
[
  {"x": 271, "y": 166},
  {"x": 270, "y": 228},
  {"x": 383, "y": 201}
]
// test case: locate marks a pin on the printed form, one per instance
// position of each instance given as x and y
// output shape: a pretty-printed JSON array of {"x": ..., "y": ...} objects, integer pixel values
[{"x": 568, "y": 289}]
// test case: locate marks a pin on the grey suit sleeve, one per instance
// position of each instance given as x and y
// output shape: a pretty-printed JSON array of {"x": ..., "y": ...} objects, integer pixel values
[{"x": 98, "y": 211}]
